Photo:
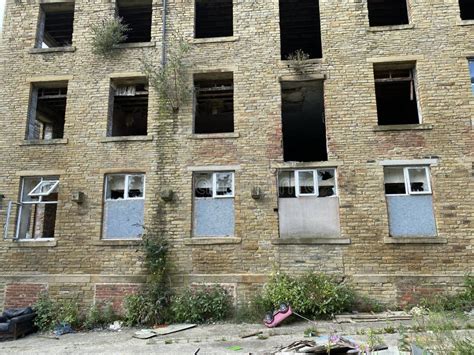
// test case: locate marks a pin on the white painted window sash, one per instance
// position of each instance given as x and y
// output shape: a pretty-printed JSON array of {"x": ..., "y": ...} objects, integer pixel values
[
  {"x": 408, "y": 183},
  {"x": 297, "y": 183},
  {"x": 214, "y": 185}
]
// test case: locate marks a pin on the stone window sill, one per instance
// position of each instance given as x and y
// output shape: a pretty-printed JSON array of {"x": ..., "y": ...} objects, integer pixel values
[
  {"x": 415, "y": 240},
  {"x": 215, "y": 40},
  {"x": 135, "y": 45},
  {"x": 214, "y": 135},
  {"x": 212, "y": 240},
  {"x": 44, "y": 141},
  {"x": 116, "y": 242},
  {"x": 148, "y": 138},
  {"x": 52, "y": 50},
  {"x": 307, "y": 61},
  {"x": 403, "y": 127},
  {"x": 303, "y": 165},
  {"x": 33, "y": 243},
  {"x": 310, "y": 241},
  {"x": 408, "y": 26},
  {"x": 466, "y": 23}
]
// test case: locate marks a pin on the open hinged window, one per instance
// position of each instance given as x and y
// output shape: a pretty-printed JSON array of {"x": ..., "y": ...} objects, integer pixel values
[
  {"x": 215, "y": 185},
  {"x": 301, "y": 183},
  {"x": 407, "y": 180},
  {"x": 44, "y": 188},
  {"x": 55, "y": 27}
]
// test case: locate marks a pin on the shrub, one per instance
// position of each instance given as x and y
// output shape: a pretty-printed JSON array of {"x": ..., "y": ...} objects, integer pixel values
[
  {"x": 68, "y": 313},
  {"x": 107, "y": 34},
  {"x": 45, "y": 312},
  {"x": 137, "y": 310},
  {"x": 462, "y": 301},
  {"x": 99, "y": 316},
  {"x": 201, "y": 305}
]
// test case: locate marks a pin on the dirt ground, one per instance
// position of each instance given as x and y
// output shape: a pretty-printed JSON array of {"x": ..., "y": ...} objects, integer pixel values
[{"x": 209, "y": 339}]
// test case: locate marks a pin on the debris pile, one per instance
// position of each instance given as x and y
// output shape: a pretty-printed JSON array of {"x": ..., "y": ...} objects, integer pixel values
[{"x": 336, "y": 345}]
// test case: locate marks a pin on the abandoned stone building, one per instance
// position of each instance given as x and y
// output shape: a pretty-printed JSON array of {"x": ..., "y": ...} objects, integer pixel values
[{"x": 332, "y": 136}]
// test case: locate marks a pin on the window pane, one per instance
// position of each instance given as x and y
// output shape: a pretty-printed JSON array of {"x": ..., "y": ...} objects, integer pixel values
[
  {"x": 29, "y": 183},
  {"x": 115, "y": 187},
  {"x": 286, "y": 184},
  {"x": 44, "y": 188},
  {"x": 418, "y": 180},
  {"x": 224, "y": 184},
  {"x": 203, "y": 185},
  {"x": 135, "y": 186},
  {"x": 326, "y": 182},
  {"x": 306, "y": 182},
  {"x": 471, "y": 68},
  {"x": 394, "y": 181}
]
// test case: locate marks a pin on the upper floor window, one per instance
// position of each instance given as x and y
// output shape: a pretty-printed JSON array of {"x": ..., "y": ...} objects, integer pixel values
[
  {"x": 466, "y": 8},
  {"x": 301, "y": 183},
  {"x": 55, "y": 27},
  {"x": 137, "y": 15},
  {"x": 407, "y": 181},
  {"x": 471, "y": 70},
  {"x": 213, "y": 18},
  {"x": 388, "y": 12}
]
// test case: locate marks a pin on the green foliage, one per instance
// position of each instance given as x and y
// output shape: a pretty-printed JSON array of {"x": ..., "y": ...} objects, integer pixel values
[
  {"x": 364, "y": 303},
  {"x": 252, "y": 311},
  {"x": 68, "y": 313},
  {"x": 156, "y": 250},
  {"x": 50, "y": 313},
  {"x": 463, "y": 301},
  {"x": 170, "y": 79},
  {"x": 297, "y": 60},
  {"x": 199, "y": 305},
  {"x": 99, "y": 316},
  {"x": 137, "y": 309},
  {"x": 108, "y": 34},
  {"x": 313, "y": 295}
]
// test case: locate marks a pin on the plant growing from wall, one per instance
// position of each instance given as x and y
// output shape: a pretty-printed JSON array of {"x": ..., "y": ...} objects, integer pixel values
[
  {"x": 169, "y": 79},
  {"x": 297, "y": 61},
  {"x": 107, "y": 34}
]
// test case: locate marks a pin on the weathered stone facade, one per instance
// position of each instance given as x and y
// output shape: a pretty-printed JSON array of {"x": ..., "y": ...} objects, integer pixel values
[{"x": 78, "y": 262}]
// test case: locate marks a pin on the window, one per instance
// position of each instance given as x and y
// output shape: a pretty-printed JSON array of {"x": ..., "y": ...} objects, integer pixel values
[
  {"x": 37, "y": 208},
  {"x": 137, "y": 15},
  {"x": 213, "y": 204},
  {"x": 471, "y": 70},
  {"x": 303, "y": 122},
  {"x": 47, "y": 111},
  {"x": 129, "y": 107},
  {"x": 214, "y": 111},
  {"x": 409, "y": 201},
  {"x": 467, "y": 9},
  {"x": 396, "y": 96},
  {"x": 124, "y": 206},
  {"x": 213, "y": 18},
  {"x": 55, "y": 26},
  {"x": 388, "y": 12},
  {"x": 308, "y": 205},
  {"x": 300, "y": 28}
]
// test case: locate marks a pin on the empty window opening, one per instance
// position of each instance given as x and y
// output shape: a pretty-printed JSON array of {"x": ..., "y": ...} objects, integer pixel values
[
  {"x": 396, "y": 96},
  {"x": 138, "y": 16},
  {"x": 214, "y": 111},
  {"x": 471, "y": 70},
  {"x": 47, "y": 111},
  {"x": 129, "y": 106},
  {"x": 213, "y": 18},
  {"x": 55, "y": 26},
  {"x": 300, "y": 28},
  {"x": 388, "y": 12},
  {"x": 38, "y": 206},
  {"x": 467, "y": 9},
  {"x": 304, "y": 130}
]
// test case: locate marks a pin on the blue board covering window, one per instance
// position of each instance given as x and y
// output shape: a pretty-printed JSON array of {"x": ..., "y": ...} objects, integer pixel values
[{"x": 471, "y": 68}]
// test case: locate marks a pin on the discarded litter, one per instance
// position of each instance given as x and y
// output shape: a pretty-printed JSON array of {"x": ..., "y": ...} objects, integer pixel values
[
  {"x": 272, "y": 319},
  {"x": 251, "y": 334},
  {"x": 320, "y": 346},
  {"x": 117, "y": 325},
  {"x": 234, "y": 348},
  {"x": 373, "y": 317},
  {"x": 169, "y": 329},
  {"x": 62, "y": 329}
]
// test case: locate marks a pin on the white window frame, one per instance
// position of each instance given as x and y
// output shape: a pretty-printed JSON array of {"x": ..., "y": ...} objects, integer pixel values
[
  {"x": 48, "y": 192},
  {"x": 126, "y": 187},
  {"x": 214, "y": 184},
  {"x": 406, "y": 178},
  {"x": 315, "y": 182}
]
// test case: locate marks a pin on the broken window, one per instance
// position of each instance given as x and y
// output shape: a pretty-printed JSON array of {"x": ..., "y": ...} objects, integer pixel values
[
  {"x": 308, "y": 205},
  {"x": 467, "y": 9},
  {"x": 409, "y": 201},
  {"x": 55, "y": 26},
  {"x": 213, "y": 204},
  {"x": 124, "y": 206},
  {"x": 304, "y": 129},
  {"x": 471, "y": 70},
  {"x": 213, "y": 18},
  {"x": 47, "y": 111},
  {"x": 129, "y": 106},
  {"x": 388, "y": 12},
  {"x": 214, "y": 111},
  {"x": 396, "y": 96},
  {"x": 300, "y": 28},
  {"x": 37, "y": 208},
  {"x": 138, "y": 16}
]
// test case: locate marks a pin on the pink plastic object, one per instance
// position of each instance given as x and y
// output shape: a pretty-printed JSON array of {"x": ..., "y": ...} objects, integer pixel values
[{"x": 273, "y": 319}]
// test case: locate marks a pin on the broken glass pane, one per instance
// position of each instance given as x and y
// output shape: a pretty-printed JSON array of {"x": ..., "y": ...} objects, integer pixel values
[
  {"x": 306, "y": 182},
  {"x": 203, "y": 185},
  {"x": 286, "y": 184},
  {"x": 135, "y": 186},
  {"x": 224, "y": 184},
  {"x": 326, "y": 182},
  {"x": 394, "y": 181},
  {"x": 115, "y": 187},
  {"x": 418, "y": 180}
]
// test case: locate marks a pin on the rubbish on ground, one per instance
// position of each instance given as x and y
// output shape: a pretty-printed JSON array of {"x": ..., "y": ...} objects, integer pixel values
[
  {"x": 117, "y": 325},
  {"x": 319, "y": 346},
  {"x": 62, "y": 329},
  {"x": 272, "y": 319},
  {"x": 144, "y": 334},
  {"x": 234, "y": 348},
  {"x": 372, "y": 317},
  {"x": 251, "y": 334},
  {"x": 168, "y": 329},
  {"x": 196, "y": 352}
]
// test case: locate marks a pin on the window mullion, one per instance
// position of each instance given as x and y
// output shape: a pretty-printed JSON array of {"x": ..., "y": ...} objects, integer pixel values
[
  {"x": 297, "y": 183},
  {"x": 125, "y": 188},
  {"x": 214, "y": 185},
  {"x": 315, "y": 183},
  {"x": 407, "y": 181}
]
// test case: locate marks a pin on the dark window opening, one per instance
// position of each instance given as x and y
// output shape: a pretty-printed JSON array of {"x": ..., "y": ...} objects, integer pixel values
[
  {"x": 213, "y": 18},
  {"x": 396, "y": 97},
  {"x": 47, "y": 111},
  {"x": 55, "y": 25},
  {"x": 300, "y": 28},
  {"x": 304, "y": 130},
  {"x": 388, "y": 12},
  {"x": 214, "y": 112},
  {"x": 137, "y": 15},
  {"x": 129, "y": 109},
  {"x": 467, "y": 9}
]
